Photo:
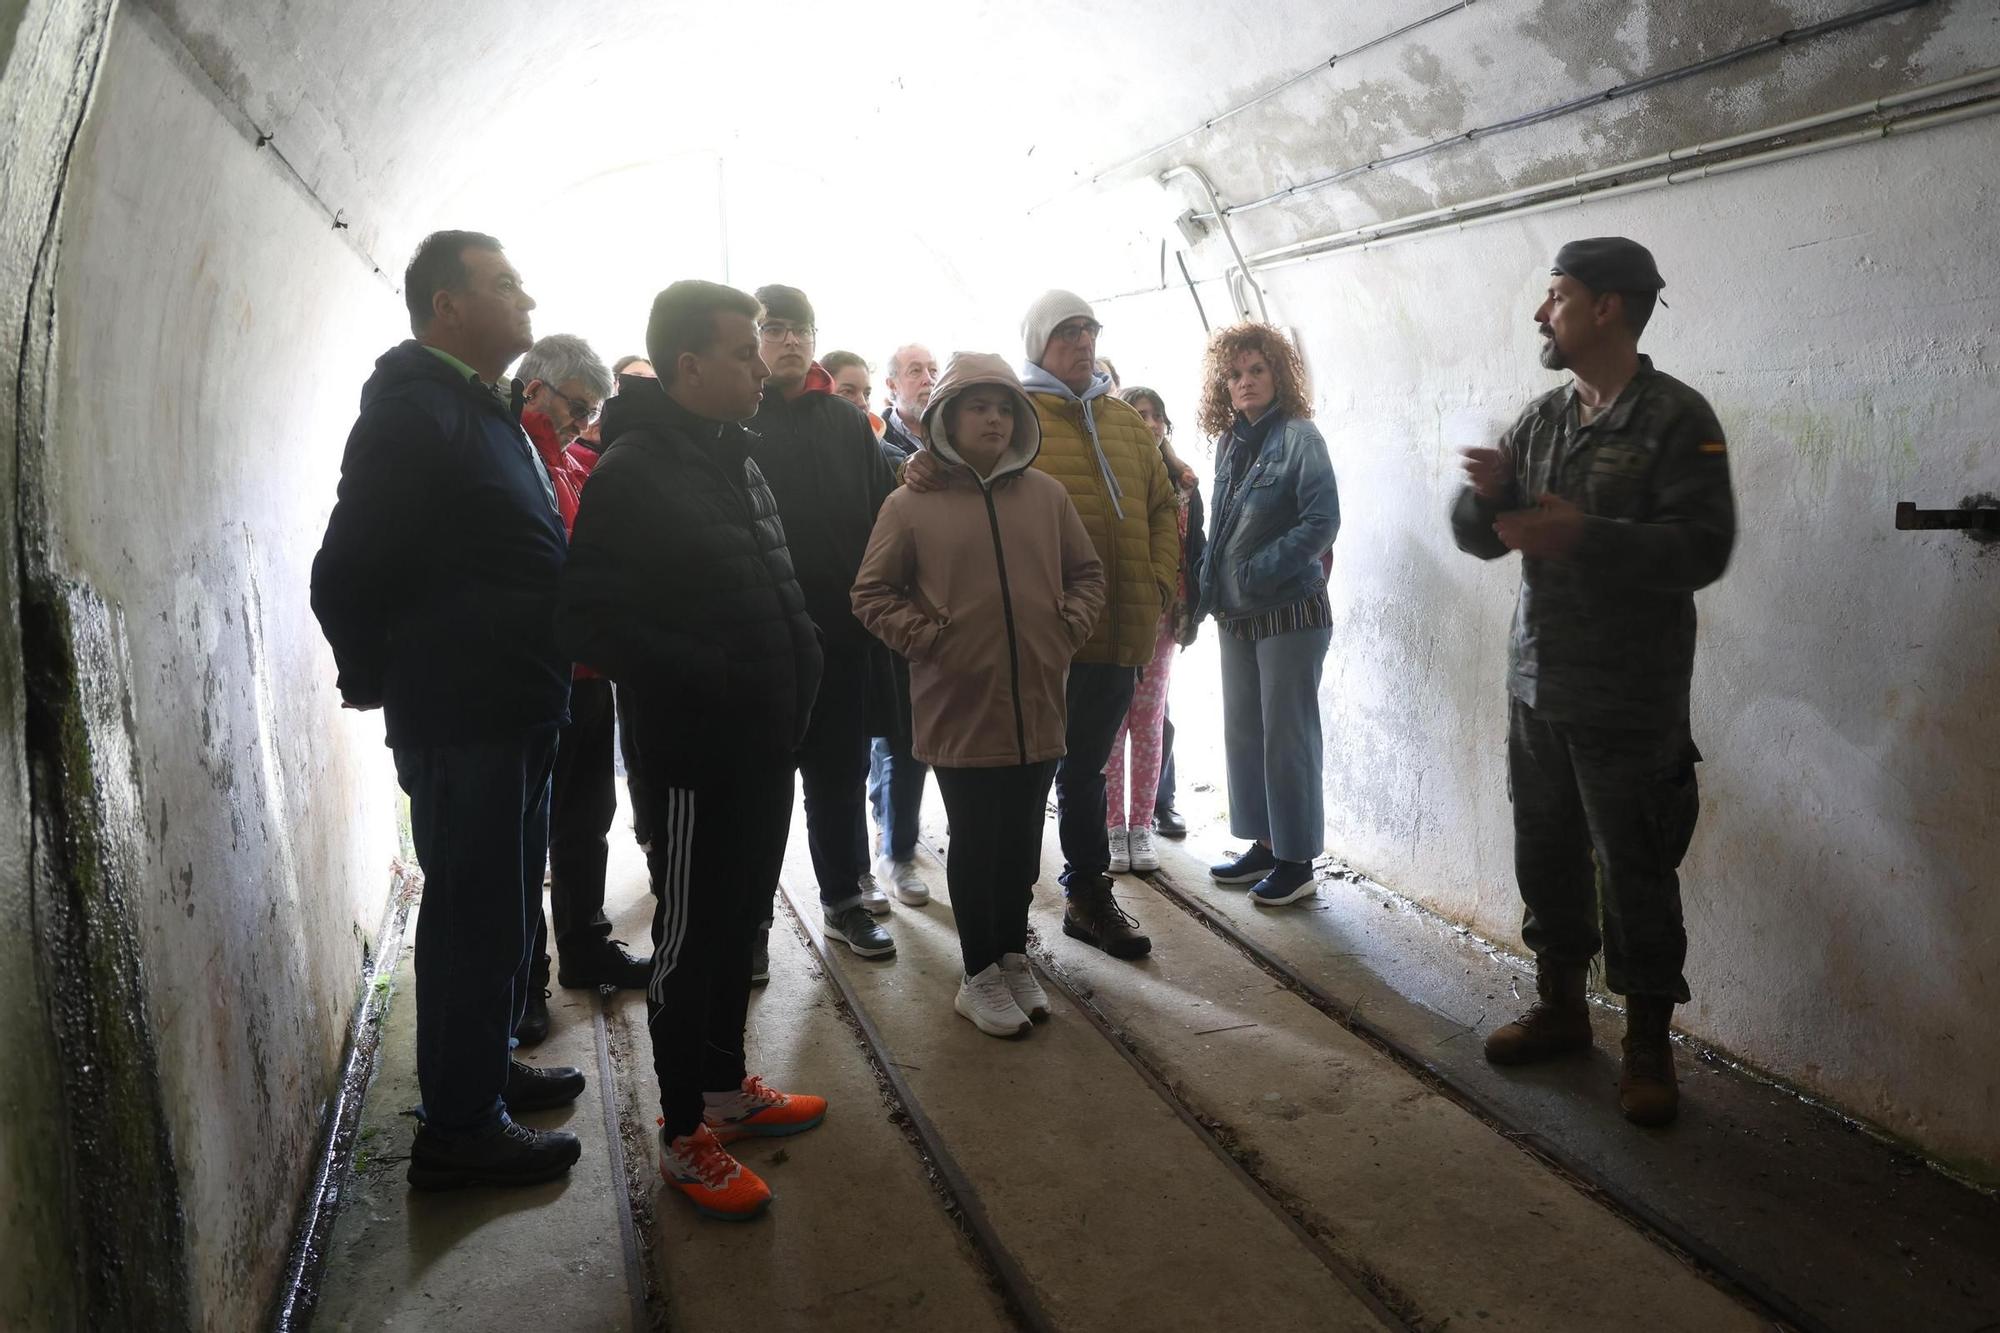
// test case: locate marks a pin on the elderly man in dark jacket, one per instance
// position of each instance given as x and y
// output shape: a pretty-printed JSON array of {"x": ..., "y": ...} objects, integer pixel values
[
  {"x": 680, "y": 587},
  {"x": 829, "y": 477},
  {"x": 436, "y": 588}
]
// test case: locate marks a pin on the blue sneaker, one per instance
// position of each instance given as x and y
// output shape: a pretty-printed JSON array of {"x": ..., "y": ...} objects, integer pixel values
[
  {"x": 1255, "y": 863},
  {"x": 1291, "y": 881}
]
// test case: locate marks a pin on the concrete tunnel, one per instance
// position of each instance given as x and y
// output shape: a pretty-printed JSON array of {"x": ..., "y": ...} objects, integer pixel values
[{"x": 208, "y": 207}]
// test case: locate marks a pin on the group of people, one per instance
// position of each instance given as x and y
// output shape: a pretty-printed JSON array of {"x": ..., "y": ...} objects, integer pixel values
[{"x": 988, "y": 580}]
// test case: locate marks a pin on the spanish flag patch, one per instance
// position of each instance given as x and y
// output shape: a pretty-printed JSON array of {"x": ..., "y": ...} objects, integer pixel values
[{"x": 1714, "y": 447}]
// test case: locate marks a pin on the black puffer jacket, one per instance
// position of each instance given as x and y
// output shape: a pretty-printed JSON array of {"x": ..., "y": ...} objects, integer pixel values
[{"x": 680, "y": 587}]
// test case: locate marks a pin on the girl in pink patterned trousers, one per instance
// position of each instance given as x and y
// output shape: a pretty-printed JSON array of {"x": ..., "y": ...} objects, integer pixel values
[{"x": 1128, "y": 806}]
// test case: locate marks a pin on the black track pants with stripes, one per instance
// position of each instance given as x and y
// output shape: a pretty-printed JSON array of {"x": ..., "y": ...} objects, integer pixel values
[{"x": 718, "y": 844}]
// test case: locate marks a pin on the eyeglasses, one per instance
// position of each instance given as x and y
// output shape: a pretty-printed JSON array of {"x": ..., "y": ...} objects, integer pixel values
[
  {"x": 580, "y": 412},
  {"x": 1070, "y": 333},
  {"x": 778, "y": 330}
]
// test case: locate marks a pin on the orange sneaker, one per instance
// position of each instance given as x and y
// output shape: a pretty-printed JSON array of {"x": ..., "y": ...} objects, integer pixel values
[
  {"x": 718, "y": 1185},
  {"x": 761, "y": 1111}
]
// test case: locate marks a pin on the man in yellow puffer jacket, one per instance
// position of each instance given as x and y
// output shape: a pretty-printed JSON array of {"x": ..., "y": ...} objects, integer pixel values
[{"x": 1096, "y": 445}]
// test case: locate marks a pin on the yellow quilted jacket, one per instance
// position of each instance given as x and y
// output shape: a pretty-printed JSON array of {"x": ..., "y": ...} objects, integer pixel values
[{"x": 1141, "y": 551}]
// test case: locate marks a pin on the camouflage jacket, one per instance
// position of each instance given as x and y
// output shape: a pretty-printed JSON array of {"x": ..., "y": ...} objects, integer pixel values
[{"x": 1606, "y": 638}]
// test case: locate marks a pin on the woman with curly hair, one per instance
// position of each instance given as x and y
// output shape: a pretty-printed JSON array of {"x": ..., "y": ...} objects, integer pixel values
[{"x": 1276, "y": 513}]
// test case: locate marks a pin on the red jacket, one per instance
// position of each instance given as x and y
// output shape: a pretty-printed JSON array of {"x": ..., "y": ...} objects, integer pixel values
[{"x": 567, "y": 474}]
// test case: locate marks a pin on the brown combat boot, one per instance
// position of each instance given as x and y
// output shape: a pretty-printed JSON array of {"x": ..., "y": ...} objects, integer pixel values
[
  {"x": 1094, "y": 917},
  {"x": 1647, "y": 1093},
  {"x": 1557, "y": 1023}
]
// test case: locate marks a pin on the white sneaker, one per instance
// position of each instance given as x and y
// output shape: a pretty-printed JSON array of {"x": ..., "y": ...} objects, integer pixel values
[
  {"x": 1121, "y": 861},
  {"x": 1021, "y": 984},
  {"x": 1140, "y": 850},
  {"x": 872, "y": 896},
  {"x": 904, "y": 881},
  {"x": 986, "y": 1000}
]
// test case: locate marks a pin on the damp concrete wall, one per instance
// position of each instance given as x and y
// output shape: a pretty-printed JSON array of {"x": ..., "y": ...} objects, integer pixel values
[
  {"x": 213, "y": 337},
  {"x": 1842, "y": 313}
]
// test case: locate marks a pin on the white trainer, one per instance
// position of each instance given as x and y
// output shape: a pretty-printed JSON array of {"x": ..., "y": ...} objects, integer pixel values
[
  {"x": 872, "y": 896},
  {"x": 903, "y": 880},
  {"x": 1140, "y": 850},
  {"x": 1021, "y": 984},
  {"x": 986, "y": 1000},
  {"x": 1121, "y": 859}
]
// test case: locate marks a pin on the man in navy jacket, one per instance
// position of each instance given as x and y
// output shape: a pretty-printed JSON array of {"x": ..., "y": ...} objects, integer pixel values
[{"x": 436, "y": 589}]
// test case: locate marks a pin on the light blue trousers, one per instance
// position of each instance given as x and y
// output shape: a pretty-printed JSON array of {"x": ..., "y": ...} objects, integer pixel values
[{"x": 1270, "y": 730}]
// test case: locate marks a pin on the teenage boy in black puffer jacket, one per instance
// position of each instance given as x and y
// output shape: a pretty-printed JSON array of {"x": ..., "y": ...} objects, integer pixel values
[{"x": 680, "y": 588}]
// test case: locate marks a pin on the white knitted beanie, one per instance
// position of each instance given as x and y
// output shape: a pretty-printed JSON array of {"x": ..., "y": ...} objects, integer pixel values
[{"x": 1050, "y": 309}]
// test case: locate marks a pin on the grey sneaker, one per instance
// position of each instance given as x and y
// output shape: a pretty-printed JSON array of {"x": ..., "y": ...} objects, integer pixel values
[
  {"x": 858, "y": 929},
  {"x": 872, "y": 896},
  {"x": 760, "y": 956}
]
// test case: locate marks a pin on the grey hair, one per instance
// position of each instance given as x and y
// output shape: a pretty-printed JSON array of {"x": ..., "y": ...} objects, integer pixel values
[{"x": 562, "y": 357}]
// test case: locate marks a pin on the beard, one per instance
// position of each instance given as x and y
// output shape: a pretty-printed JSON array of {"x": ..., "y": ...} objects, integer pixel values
[{"x": 1551, "y": 355}]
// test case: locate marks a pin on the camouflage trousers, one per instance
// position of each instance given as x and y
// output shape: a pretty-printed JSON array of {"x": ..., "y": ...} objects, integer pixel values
[{"x": 1626, "y": 799}]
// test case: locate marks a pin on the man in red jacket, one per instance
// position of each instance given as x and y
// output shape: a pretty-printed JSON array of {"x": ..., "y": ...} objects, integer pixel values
[{"x": 565, "y": 386}]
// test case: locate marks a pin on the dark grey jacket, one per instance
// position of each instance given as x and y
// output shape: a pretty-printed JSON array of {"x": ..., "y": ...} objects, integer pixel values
[{"x": 1606, "y": 638}]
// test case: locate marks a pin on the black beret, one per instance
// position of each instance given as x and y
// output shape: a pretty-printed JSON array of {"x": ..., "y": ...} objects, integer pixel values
[
  {"x": 1610, "y": 264},
  {"x": 789, "y": 303}
]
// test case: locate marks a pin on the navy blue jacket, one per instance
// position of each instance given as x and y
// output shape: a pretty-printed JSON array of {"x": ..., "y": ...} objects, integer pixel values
[{"x": 436, "y": 582}]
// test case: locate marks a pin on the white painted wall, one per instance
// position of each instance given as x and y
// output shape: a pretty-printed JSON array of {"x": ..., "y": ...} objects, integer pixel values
[{"x": 214, "y": 338}]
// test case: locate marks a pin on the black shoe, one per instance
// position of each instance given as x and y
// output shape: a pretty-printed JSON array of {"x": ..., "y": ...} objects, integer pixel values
[
  {"x": 857, "y": 928},
  {"x": 1255, "y": 863},
  {"x": 540, "y": 1087},
  {"x": 1094, "y": 916},
  {"x": 510, "y": 1154},
  {"x": 760, "y": 956},
  {"x": 1167, "y": 822},
  {"x": 605, "y": 964},
  {"x": 533, "y": 1028}
]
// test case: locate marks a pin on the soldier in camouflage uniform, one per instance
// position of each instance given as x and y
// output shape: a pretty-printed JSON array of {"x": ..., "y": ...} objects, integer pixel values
[{"x": 1615, "y": 490}]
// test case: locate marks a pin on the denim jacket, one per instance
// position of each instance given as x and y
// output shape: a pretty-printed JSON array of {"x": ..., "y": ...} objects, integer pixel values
[{"x": 1269, "y": 532}]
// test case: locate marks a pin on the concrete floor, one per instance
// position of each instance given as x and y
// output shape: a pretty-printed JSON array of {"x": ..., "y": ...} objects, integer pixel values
[{"x": 1233, "y": 1158}]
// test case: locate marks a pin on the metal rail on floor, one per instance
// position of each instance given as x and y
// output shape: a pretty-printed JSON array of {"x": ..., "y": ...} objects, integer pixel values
[
  {"x": 1342, "y": 1271},
  {"x": 1707, "y": 1259},
  {"x": 1016, "y": 1290}
]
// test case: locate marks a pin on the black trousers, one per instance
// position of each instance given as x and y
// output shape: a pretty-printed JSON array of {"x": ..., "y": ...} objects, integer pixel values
[
  {"x": 634, "y": 781},
  {"x": 1098, "y": 698},
  {"x": 719, "y": 827},
  {"x": 1629, "y": 799},
  {"x": 583, "y": 802},
  {"x": 1163, "y": 799},
  {"x": 833, "y": 769},
  {"x": 995, "y": 857},
  {"x": 480, "y": 818}
]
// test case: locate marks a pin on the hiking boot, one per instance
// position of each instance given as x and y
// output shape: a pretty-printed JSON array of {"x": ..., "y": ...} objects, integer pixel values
[
  {"x": 990, "y": 1004},
  {"x": 759, "y": 1111},
  {"x": 1255, "y": 863},
  {"x": 904, "y": 881},
  {"x": 1144, "y": 856},
  {"x": 1557, "y": 1023},
  {"x": 540, "y": 1088},
  {"x": 1094, "y": 916},
  {"x": 1291, "y": 881},
  {"x": 533, "y": 1029},
  {"x": 760, "y": 955},
  {"x": 717, "y": 1184},
  {"x": 1121, "y": 858},
  {"x": 1021, "y": 984},
  {"x": 1647, "y": 1093},
  {"x": 1167, "y": 822},
  {"x": 604, "y": 963},
  {"x": 508, "y": 1154},
  {"x": 859, "y": 931},
  {"x": 873, "y": 897}
]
